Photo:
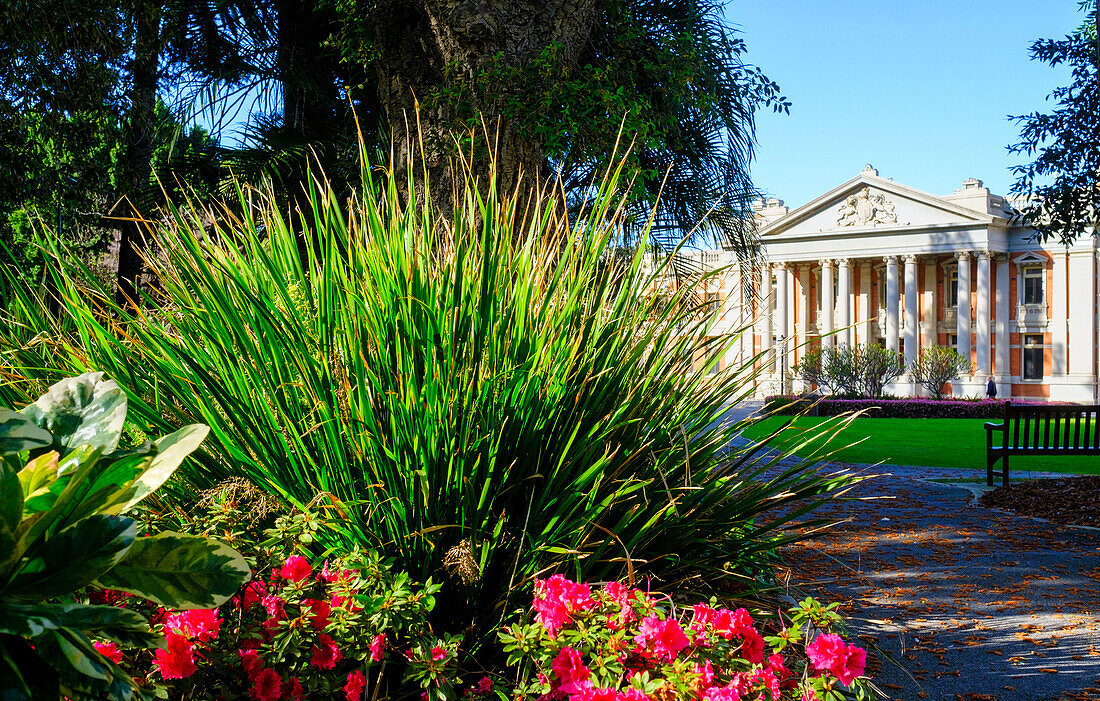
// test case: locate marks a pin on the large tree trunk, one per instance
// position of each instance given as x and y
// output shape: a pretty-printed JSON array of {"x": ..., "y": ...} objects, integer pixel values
[
  {"x": 137, "y": 163},
  {"x": 305, "y": 71},
  {"x": 428, "y": 45}
]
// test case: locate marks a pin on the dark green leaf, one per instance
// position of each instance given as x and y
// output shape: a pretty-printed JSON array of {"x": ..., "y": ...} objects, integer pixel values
[
  {"x": 73, "y": 558},
  {"x": 179, "y": 571}
]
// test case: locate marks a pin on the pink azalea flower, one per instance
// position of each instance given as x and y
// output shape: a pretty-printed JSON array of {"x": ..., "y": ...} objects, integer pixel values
[
  {"x": 571, "y": 672},
  {"x": 326, "y": 575},
  {"x": 722, "y": 693},
  {"x": 296, "y": 568},
  {"x": 438, "y": 653},
  {"x": 108, "y": 650},
  {"x": 294, "y": 691},
  {"x": 275, "y": 606},
  {"x": 752, "y": 646},
  {"x": 557, "y": 599},
  {"x": 353, "y": 689},
  {"x": 266, "y": 686},
  {"x": 253, "y": 593},
  {"x": 319, "y": 612},
  {"x": 250, "y": 662},
  {"x": 829, "y": 653},
  {"x": 325, "y": 654},
  {"x": 378, "y": 648},
  {"x": 666, "y": 638},
  {"x": 201, "y": 625},
  {"x": 177, "y": 660}
]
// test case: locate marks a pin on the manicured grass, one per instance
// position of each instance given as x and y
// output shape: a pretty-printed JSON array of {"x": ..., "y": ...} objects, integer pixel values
[{"x": 928, "y": 442}]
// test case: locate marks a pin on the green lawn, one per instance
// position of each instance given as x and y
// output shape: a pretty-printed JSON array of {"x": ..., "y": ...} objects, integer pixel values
[{"x": 929, "y": 442}]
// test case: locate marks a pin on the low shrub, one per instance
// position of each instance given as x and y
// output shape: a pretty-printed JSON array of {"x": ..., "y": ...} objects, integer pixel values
[
  {"x": 66, "y": 486},
  {"x": 622, "y": 644},
  {"x": 913, "y": 408}
]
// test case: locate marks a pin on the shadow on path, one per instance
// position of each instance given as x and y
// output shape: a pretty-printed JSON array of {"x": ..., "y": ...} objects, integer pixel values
[{"x": 976, "y": 604}]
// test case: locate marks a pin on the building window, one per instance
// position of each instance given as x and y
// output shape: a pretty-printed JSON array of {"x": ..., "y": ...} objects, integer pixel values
[
  {"x": 951, "y": 286},
  {"x": 712, "y": 302},
  {"x": 953, "y": 341},
  {"x": 1033, "y": 357},
  {"x": 1033, "y": 284}
]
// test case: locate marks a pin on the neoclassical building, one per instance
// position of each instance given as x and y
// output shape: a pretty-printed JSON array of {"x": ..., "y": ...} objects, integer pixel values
[{"x": 876, "y": 261}]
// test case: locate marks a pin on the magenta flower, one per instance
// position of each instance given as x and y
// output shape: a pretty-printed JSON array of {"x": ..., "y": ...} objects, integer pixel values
[{"x": 665, "y": 638}]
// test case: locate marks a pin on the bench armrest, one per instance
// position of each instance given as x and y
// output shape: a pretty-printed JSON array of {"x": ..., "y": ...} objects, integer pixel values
[{"x": 990, "y": 427}]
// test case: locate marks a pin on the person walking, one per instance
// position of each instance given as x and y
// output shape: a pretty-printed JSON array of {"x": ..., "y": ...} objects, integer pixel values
[{"x": 991, "y": 389}]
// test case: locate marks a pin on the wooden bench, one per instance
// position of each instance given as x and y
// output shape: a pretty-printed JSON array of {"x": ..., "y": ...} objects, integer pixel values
[{"x": 1071, "y": 429}]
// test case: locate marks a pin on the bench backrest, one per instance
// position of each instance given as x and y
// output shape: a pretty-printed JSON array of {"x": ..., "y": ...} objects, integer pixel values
[{"x": 1074, "y": 428}]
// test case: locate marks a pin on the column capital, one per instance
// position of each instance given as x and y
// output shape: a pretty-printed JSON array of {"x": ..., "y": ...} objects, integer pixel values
[
  {"x": 824, "y": 262},
  {"x": 781, "y": 266},
  {"x": 844, "y": 262},
  {"x": 890, "y": 259},
  {"x": 910, "y": 258},
  {"x": 986, "y": 255},
  {"x": 962, "y": 255}
]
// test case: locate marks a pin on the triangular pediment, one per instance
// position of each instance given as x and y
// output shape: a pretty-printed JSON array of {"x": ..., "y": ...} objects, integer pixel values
[{"x": 868, "y": 203}]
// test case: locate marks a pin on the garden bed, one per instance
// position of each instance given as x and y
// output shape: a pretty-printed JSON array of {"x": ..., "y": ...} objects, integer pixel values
[
  {"x": 1067, "y": 500},
  {"x": 916, "y": 408}
]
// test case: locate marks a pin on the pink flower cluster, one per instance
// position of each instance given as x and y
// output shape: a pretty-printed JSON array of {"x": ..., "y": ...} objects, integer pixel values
[
  {"x": 828, "y": 653},
  {"x": 557, "y": 599},
  {"x": 719, "y": 656}
]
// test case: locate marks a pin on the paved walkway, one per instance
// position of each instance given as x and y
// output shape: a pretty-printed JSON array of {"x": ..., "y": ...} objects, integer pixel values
[{"x": 974, "y": 604}]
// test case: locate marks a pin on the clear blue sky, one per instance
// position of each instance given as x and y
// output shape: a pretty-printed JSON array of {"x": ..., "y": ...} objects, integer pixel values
[{"x": 919, "y": 89}]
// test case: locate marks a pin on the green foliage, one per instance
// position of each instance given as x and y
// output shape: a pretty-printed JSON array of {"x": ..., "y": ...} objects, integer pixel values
[
  {"x": 484, "y": 396},
  {"x": 64, "y": 486},
  {"x": 1060, "y": 185},
  {"x": 860, "y": 370},
  {"x": 936, "y": 366}
]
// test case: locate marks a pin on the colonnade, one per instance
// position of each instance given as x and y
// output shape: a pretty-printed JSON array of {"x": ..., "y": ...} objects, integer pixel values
[{"x": 906, "y": 321}]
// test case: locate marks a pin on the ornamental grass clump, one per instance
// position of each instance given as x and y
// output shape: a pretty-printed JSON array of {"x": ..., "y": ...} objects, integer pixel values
[{"x": 484, "y": 394}]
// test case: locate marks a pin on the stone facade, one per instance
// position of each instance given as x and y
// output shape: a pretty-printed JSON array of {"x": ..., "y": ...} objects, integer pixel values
[{"x": 876, "y": 261}]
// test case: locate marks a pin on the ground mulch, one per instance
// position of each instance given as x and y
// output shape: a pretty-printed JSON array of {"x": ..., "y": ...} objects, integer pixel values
[{"x": 1068, "y": 500}]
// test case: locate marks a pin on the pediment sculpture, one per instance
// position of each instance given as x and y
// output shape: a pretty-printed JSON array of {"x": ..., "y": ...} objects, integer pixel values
[{"x": 865, "y": 208}]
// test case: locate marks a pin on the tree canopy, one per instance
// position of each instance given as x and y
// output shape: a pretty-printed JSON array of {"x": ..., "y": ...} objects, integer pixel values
[{"x": 1061, "y": 187}]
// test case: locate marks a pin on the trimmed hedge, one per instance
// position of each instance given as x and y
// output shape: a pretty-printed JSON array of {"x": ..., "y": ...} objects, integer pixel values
[{"x": 915, "y": 408}]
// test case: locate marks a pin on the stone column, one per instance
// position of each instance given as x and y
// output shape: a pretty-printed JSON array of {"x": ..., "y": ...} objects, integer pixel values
[
  {"x": 1059, "y": 314},
  {"x": 912, "y": 311},
  {"x": 891, "y": 302},
  {"x": 867, "y": 309},
  {"x": 981, "y": 333},
  {"x": 1082, "y": 324},
  {"x": 766, "y": 317},
  {"x": 1003, "y": 361},
  {"x": 929, "y": 310},
  {"x": 962, "y": 326},
  {"x": 825, "y": 323},
  {"x": 803, "y": 327},
  {"x": 782, "y": 299},
  {"x": 844, "y": 300}
]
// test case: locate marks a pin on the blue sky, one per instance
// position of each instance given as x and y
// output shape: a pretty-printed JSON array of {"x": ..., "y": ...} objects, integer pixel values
[{"x": 919, "y": 89}]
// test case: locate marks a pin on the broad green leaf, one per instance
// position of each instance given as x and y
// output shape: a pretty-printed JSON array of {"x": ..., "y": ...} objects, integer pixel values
[
  {"x": 84, "y": 410},
  {"x": 119, "y": 624},
  {"x": 27, "y": 620},
  {"x": 11, "y": 499},
  {"x": 73, "y": 558},
  {"x": 179, "y": 571},
  {"x": 171, "y": 452},
  {"x": 19, "y": 433},
  {"x": 36, "y": 477}
]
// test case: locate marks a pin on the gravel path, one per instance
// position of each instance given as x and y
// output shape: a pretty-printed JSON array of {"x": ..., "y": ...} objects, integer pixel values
[{"x": 970, "y": 603}]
